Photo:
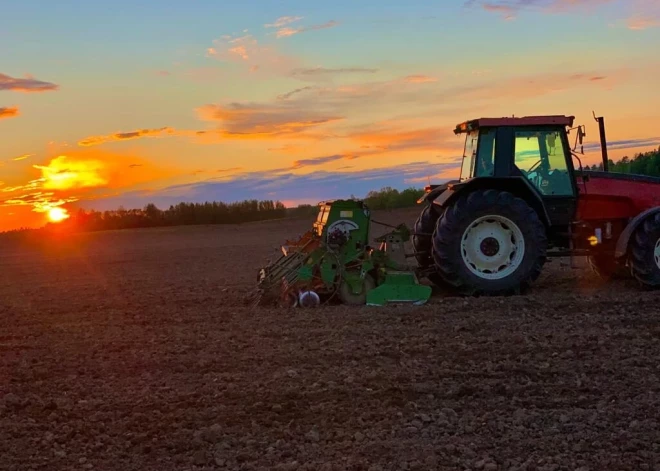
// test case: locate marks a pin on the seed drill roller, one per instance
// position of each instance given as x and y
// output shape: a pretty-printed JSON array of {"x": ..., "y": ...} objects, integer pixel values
[{"x": 334, "y": 262}]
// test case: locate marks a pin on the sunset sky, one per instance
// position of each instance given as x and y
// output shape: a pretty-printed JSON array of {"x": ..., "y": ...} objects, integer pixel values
[{"x": 127, "y": 103}]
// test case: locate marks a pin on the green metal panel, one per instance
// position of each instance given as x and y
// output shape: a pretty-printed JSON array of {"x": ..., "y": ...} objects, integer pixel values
[{"x": 399, "y": 287}]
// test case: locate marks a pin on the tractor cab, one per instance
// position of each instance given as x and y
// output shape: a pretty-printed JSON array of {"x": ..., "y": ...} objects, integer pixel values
[{"x": 535, "y": 148}]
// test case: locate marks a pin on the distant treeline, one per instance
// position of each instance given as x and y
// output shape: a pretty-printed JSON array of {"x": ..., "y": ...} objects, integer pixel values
[
  {"x": 182, "y": 214},
  {"x": 646, "y": 163},
  {"x": 391, "y": 198}
]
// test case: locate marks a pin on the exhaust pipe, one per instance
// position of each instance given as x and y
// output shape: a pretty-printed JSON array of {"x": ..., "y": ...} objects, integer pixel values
[{"x": 603, "y": 142}]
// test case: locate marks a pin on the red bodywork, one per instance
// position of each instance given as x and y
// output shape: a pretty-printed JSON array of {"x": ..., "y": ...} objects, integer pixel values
[{"x": 615, "y": 196}]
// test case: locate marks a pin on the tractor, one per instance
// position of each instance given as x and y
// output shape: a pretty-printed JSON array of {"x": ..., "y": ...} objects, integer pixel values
[{"x": 520, "y": 200}]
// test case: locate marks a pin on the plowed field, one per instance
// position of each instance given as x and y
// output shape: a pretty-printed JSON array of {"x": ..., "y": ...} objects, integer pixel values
[{"x": 133, "y": 350}]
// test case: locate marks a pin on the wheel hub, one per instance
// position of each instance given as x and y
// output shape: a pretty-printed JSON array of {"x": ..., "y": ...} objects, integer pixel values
[
  {"x": 656, "y": 253},
  {"x": 489, "y": 246},
  {"x": 493, "y": 247}
]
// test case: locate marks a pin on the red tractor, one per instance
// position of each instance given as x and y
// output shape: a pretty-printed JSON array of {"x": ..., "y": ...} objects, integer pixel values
[{"x": 520, "y": 200}]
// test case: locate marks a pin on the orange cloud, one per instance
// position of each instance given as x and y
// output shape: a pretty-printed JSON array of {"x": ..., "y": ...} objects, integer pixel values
[
  {"x": 23, "y": 157},
  {"x": 419, "y": 79},
  {"x": 9, "y": 112},
  {"x": 122, "y": 136},
  {"x": 315, "y": 112},
  {"x": 27, "y": 84},
  {"x": 265, "y": 120},
  {"x": 391, "y": 138},
  {"x": 397, "y": 137}
]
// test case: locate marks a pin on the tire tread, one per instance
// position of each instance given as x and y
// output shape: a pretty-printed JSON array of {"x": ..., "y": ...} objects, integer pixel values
[{"x": 642, "y": 265}]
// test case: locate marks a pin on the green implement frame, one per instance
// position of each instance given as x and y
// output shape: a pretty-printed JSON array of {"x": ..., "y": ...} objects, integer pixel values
[{"x": 334, "y": 260}]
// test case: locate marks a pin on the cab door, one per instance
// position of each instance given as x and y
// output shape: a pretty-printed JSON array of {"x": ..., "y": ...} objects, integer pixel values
[{"x": 541, "y": 154}]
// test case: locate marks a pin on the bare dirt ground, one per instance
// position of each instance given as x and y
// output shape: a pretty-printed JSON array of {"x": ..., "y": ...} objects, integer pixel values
[{"x": 134, "y": 351}]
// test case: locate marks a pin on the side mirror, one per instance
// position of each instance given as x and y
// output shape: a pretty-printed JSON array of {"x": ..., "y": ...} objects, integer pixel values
[
  {"x": 583, "y": 134},
  {"x": 579, "y": 139}
]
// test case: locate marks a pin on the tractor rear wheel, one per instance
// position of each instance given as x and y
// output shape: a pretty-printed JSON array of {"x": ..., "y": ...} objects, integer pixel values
[
  {"x": 422, "y": 241},
  {"x": 644, "y": 256},
  {"x": 490, "y": 242}
]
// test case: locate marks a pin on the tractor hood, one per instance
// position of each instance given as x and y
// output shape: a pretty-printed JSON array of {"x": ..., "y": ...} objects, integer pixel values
[
  {"x": 619, "y": 195},
  {"x": 627, "y": 177}
]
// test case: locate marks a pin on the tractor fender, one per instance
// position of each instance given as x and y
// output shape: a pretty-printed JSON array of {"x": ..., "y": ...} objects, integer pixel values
[
  {"x": 518, "y": 186},
  {"x": 435, "y": 192},
  {"x": 626, "y": 234}
]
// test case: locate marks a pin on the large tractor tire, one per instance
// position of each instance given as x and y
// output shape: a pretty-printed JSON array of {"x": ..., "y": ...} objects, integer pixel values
[
  {"x": 644, "y": 255},
  {"x": 422, "y": 241},
  {"x": 490, "y": 242}
]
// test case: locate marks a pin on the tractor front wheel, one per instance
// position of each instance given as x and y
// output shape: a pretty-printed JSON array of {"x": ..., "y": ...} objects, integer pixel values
[
  {"x": 489, "y": 242},
  {"x": 422, "y": 241},
  {"x": 644, "y": 256},
  {"x": 422, "y": 238}
]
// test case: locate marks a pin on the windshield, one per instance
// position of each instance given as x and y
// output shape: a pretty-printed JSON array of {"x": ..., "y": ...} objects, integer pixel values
[{"x": 469, "y": 154}]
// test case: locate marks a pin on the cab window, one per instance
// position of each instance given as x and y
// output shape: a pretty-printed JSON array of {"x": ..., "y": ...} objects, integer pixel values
[
  {"x": 486, "y": 153},
  {"x": 469, "y": 154},
  {"x": 540, "y": 155}
]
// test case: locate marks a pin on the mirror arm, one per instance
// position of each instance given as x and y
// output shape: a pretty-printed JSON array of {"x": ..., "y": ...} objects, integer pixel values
[{"x": 579, "y": 161}]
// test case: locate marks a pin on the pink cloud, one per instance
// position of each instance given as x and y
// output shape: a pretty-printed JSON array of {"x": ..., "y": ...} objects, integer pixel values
[
  {"x": 509, "y": 8},
  {"x": 247, "y": 52},
  {"x": 287, "y": 31},
  {"x": 283, "y": 21},
  {"x": 637, "y": 23},
  {"x": 642, "y": 14},
  {"x": 507, "y": 12},
  {"x": 27, "y": 84}
]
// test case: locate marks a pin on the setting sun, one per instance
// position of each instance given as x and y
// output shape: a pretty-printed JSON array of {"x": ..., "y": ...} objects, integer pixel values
[{"x": 57, "y": 214}]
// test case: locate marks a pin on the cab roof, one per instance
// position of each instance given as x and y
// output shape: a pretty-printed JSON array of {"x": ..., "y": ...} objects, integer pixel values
[{"x": 473, "y": 124}]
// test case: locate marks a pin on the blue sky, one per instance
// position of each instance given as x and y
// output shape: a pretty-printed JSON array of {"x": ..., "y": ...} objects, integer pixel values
[{"x": 144, "y": 102}]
